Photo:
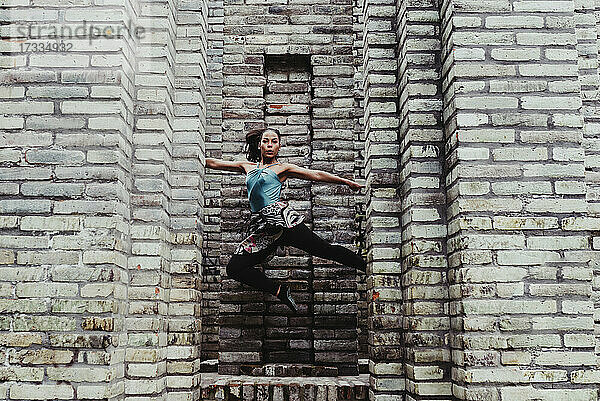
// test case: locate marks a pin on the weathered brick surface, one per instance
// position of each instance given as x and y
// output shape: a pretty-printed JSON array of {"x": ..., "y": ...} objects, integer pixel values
[
  {"x": 520, "y": 86},
  {"x": 422, "y": 274},
  {"x": 211, "y": 248},
  {"x": 474, "y": 122},
  {"x": 351, "y": 388},
  {"x": 189, "y": 126},
  {"x": 66, "y": 206},
  {"x": 359, "y": 167},
  {"x": 293, "y": 70},
  {"x": 98, "y": 293},
  {"x": 383, "y": 208}
]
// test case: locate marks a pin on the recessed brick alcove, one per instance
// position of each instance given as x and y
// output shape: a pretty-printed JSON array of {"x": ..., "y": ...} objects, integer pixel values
[{"x": 255, "y": 329}]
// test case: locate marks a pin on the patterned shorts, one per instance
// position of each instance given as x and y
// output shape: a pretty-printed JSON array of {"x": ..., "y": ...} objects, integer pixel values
[{"x": 266, "y": 226}]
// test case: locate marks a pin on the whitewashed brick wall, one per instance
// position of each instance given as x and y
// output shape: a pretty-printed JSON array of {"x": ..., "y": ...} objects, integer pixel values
[
  {"x": 67, "y": 147},
  {"x": 423, "y": 200},
  {"x": 383, "y": 208},
  {"x": 101, "y": 203},
  {"x": 517, "y": 76},
  {"x": 211, "y": 245}
]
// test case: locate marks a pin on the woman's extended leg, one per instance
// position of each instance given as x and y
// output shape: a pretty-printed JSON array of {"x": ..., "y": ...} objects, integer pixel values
[
  {"x": 240, "y": 269},
  {"x": 300, "y": 236}
]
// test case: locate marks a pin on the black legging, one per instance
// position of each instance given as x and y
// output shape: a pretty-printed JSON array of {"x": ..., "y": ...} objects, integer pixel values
[{"x": 300, "y": 236}]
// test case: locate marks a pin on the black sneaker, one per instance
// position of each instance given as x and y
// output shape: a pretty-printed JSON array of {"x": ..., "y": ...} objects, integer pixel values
[
  {"x": 363, "y": 256},
  {"x": 286, "y": 298}
]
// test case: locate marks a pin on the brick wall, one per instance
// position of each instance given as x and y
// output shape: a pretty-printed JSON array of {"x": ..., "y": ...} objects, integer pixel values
[
  {"x": 383, "y": 208},
  {"x": 587, "y": 25},
  {"x": 187, "y": 214},
  {"x": 423, "y": 200},
  {"x": 520, "y": 277},
  {"x": 66, "y": 145},
  {"x": 359, "y": 167},
  {"x": 211, "y": 249},
  {"x": 291, "y": 66},
  {"x": 101, "y": 201},
  {"x": 150, "y": 289},
  {"x": 474, "y": 123}
]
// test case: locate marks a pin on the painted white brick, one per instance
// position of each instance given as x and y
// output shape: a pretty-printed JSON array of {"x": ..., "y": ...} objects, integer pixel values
[
  {"x": 516, "y": 54},
  {"x": 514, "y": 21},
  {"x": 486, "y": 135},
  {"x": 567, "y": 154},
  {"x": 486, "y": 102},
  {"x": 87, "y": 107},
  {"x": 558, "y": 242},
  {"x": 59, "y": 60},
  {"x": 525, "y": 223},
  {"x": 554, "y": 170},
  {"x": 556, "y": 205},
  {"x": 545, "y": 39},
  {"x": 522, "y": 187},
  {"x": 543, "y": 70},
  {"x": 550, "y": 102},
  {"x": 543, "y": 6},
  {"x": 518, "y": 86},
  {"x": 521, "y": 154},
  {"x": 26, "y": 107}
]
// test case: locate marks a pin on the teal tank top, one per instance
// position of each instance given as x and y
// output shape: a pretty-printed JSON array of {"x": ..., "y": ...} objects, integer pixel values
[{"x": 264, "y": 187}]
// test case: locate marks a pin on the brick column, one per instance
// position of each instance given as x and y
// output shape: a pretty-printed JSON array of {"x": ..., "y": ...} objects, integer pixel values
[
  {"x": 383, "y": 203},
  {"x": 150, "y": 263},
  {"x": 211, "y": 244},
  {"x": 521, "y": 314},
  {"x": 93, "y": 128},
  {"x": 424, "y": 263},
  {"x": 359, "y": 169},
  {"x": 188, "y": 98},
  {"x": 65, "y": 206}
]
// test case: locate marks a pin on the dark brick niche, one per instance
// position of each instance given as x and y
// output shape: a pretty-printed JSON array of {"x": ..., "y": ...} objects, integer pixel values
[{"x": 258, "y": 335}]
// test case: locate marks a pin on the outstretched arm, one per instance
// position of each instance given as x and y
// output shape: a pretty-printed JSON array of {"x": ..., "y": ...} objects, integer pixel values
[
  {"x": 218, "y": 164},
  {"x": 292, "y": 170}
]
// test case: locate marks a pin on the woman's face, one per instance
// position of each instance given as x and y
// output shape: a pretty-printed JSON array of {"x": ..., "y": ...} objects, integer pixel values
[{"x": 269, "y": 144}]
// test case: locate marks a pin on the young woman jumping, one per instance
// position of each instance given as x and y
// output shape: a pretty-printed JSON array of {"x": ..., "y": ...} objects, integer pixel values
[{"x": 272, "y": 222}]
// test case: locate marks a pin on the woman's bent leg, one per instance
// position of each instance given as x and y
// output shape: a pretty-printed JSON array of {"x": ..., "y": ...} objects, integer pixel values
[
  {"x": 240, "y": 269},
  {"x": 300, "y": 236}
]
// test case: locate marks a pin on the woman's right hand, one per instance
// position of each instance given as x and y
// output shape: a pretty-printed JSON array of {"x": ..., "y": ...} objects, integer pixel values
[{"x": 355, "y": 186}]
